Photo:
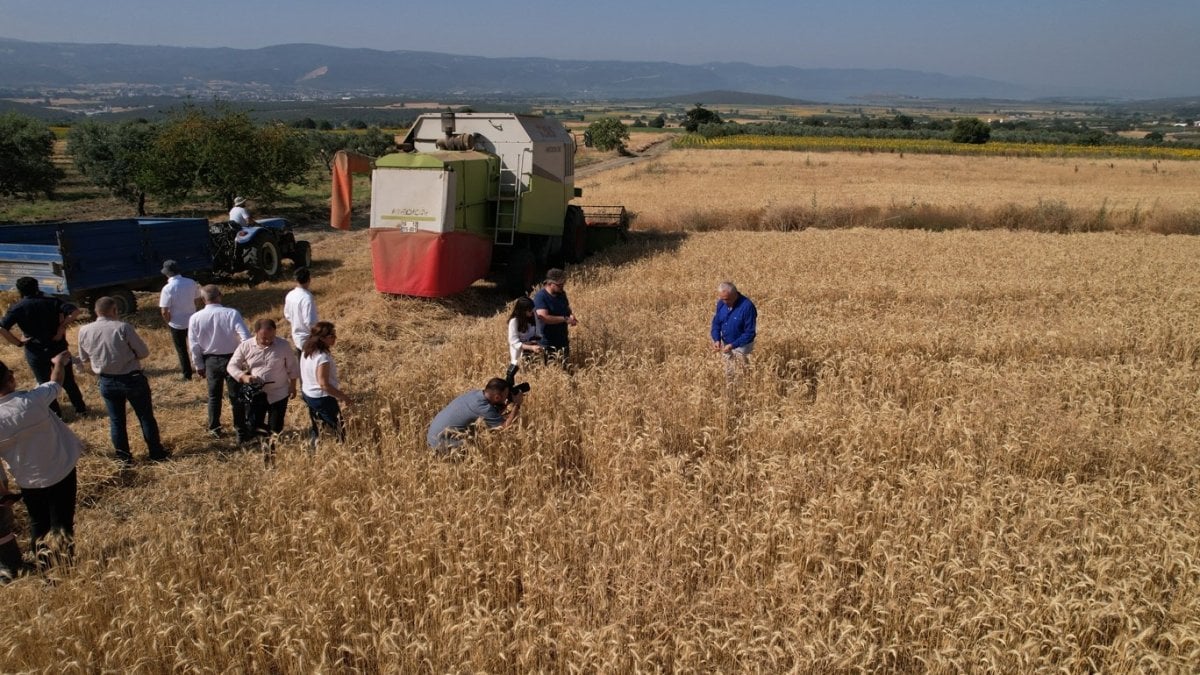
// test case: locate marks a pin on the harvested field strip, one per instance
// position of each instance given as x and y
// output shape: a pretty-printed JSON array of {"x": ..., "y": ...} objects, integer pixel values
[{"x": 932, "y": 146}]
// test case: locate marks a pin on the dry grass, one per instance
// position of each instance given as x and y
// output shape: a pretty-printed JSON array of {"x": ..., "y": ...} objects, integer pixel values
[
  {"x": 955, "y": 451},
  {"x": 781, "y": 190}
]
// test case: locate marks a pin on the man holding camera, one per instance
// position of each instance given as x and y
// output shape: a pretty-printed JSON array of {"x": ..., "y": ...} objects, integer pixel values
[
  {"x": 266, "y": 366},
  {"x": 452, "y": 425}
]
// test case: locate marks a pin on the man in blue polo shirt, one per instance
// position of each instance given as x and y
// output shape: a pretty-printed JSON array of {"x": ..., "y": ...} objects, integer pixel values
[
  {"x": 734, "y": 325},
  {"x": 554, "y": 316}
]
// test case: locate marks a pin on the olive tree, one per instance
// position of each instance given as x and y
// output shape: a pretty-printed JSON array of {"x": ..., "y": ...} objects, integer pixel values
[
  {"x": 222, "y": 154},
  {"x": 971, "y": 130},
  {"x": 116, "y": 157},
  {"x": 607, "y": 133},
  {"x": 26, "y": 152},
  {"x": 699, "y": 116}
]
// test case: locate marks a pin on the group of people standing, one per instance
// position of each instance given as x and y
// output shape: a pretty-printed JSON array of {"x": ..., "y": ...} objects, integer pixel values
[{"x": 259, "y": 371}]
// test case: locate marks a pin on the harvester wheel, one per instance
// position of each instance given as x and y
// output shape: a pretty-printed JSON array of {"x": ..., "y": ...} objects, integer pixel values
[
  {"x": 574, "y": 239},
  {"x": 521, "y": 273}
]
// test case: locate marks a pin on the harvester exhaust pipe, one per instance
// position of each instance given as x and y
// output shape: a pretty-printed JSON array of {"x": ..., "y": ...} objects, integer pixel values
[
  {"x": 458, "y": 142},
  {"x": 453, "y": 141}
]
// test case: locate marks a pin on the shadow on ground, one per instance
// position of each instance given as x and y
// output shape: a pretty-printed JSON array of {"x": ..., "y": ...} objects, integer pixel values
[{"x": 485, "y": 299}]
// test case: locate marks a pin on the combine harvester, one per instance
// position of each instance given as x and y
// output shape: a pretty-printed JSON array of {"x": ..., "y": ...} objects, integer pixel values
[{"x": 473, "y": 193}]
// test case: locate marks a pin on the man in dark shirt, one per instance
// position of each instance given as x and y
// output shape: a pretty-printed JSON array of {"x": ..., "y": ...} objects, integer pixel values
[
  {"x": 43, "y": 322},
  {"x": 554, "y": 316}
]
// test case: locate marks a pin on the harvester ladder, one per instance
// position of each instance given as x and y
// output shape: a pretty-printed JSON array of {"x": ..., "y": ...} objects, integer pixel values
[{"x": 508, "y": 202}]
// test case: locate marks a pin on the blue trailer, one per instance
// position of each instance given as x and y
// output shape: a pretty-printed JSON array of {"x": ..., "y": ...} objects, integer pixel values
[{"x": 90, "y": 259}]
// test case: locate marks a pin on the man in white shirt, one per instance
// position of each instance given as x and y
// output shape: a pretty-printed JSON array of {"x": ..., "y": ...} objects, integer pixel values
[
  {"x": 114, "y": 350},
  {"x": 239, "y": 214},
  {"x": 40, "y": 452},
  {"x": 214, "y": 333},
  {"x": 300, "y": 309},
  {"x": 177, "y": 302}
]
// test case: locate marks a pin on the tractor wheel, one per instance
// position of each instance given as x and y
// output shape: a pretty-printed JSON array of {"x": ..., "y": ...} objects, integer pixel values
[
  {"x": 267, "y": 258},
  {"x": 126, "y": 302},
  {"x": 521, "y": 273},
  {"x": 574, "y": 239},
  {"x": 302, "y": 254}
]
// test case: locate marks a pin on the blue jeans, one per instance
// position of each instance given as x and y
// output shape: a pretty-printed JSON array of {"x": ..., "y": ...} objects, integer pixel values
[
  {"x": 133, "y": 388},
  {"x": 325, "y": 410}
]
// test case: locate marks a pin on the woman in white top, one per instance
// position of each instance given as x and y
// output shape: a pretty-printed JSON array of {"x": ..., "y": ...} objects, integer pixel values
[
  {"x": 522, "y": 331},
  {"x": 319, "y": 381}
]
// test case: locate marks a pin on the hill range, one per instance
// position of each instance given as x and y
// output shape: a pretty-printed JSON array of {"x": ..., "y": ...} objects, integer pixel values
[{"x": 322, "y": 71}]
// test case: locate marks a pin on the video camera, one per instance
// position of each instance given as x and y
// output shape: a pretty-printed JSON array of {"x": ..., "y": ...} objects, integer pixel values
[{"x": 510, "y": 376}]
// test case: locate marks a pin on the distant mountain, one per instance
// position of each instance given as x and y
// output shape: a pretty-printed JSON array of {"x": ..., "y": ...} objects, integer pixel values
[
  {"x": 730, "y": 98},
  {"x": 319, "y": 70}
]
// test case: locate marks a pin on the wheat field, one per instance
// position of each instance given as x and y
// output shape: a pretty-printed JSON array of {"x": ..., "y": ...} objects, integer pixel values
[
  {"x": 954, "y": 451},
  {"x": 871, "y": 189}
]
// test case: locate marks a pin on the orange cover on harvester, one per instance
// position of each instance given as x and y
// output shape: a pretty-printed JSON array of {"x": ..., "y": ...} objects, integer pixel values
[
  {"x": 345, "y": 165},
  {"x": 428, "y": 264}
]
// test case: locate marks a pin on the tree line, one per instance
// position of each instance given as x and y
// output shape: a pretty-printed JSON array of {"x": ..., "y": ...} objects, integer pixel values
[
  {"x": 958, "y": 130},
  {"x": 195, "y": 153}
]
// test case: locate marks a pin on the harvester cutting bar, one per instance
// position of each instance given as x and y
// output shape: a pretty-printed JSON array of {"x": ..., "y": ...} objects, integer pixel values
[{"x": 606, "y": 216}]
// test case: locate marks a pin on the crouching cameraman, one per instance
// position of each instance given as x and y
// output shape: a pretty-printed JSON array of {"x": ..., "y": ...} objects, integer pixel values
[{"x": 452, "y": 426}]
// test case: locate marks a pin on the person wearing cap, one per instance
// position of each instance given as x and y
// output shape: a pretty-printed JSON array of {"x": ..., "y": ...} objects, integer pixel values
[
  {"x": 177, "y": 302},
  {"x": 43, "y": 322},
  {"x": 300, "y": 309},
  {"x": 40, "y": 452},
  {"x": 554, "y": 316},
  {"x": 214, "y": 333},
  {"x": 115, "y": 350},
  {"x": 734, "y": 326},
  {"x": 239, "y": 213}
]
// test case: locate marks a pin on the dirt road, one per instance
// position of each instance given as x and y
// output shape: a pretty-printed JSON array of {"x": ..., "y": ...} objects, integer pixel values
[{"x": 650, "y": 152}]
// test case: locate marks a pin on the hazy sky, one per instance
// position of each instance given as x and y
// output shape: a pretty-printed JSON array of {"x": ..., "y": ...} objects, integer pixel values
[{"x": 1122, "y": 47}]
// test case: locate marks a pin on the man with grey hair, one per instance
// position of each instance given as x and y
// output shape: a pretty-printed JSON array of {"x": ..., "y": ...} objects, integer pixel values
[
  {"x": 734, "y": 325},
  {"x": 214, "y": 333},
  {"x": 115, "y": 350}
]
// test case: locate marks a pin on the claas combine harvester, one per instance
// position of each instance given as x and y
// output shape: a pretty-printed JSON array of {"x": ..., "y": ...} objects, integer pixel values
[{"x": 471, "y": 194}]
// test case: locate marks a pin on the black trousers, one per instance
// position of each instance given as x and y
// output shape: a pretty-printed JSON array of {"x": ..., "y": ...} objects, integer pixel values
[
  {"x": 179, "y": 338},
  {"x": 51, "y": 509},
  {"x": 265, "y": 418},
  {"x": 39, "y": 363},
  {"x": 219, "y": 380}
]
